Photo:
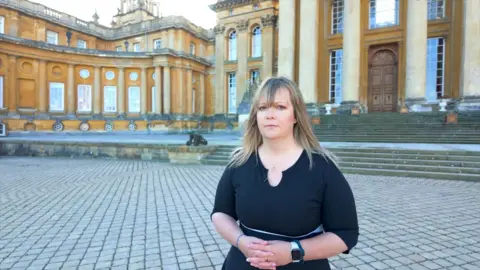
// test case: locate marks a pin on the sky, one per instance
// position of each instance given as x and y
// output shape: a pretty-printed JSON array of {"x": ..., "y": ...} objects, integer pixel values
[{"x": 196, "y": 11}]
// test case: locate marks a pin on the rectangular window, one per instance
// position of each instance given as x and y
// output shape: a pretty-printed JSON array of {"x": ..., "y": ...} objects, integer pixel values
[
  {"x": 81, "y": 44},
  {"x": 134, "y": 99},
  {"x": 192, "y": 48},
  {"x": 335, "y": 84},
  {"x": 337, "y": 16},
  {"x": 1, "y": 93},
  {"x": 154, "y": 98},
  {"x": 255, "y": 76},
  {"x": 110, "y": 99},
  {"x": 136, "y": 47},
  {"x": 435, "y": 68},
  {"x": 52, "y": 37},
  {"x": 57, "y": 96},
  {"x": 256, "y": 42},
  {"x": 232, "y": 93},
  {"x": 157, "y": 44},
  {"x": 2, "y": 25},
  {"x": 436, "y": 9},
  {"x": 84, "y": 98},
  {"x": 383, "y": 13},
  {"x": 232, "y": 46},
  {"x": 118, "y": 48}
]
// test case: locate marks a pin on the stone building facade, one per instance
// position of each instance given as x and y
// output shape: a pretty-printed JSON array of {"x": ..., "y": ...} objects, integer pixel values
[{"x": 58, "y": 72}]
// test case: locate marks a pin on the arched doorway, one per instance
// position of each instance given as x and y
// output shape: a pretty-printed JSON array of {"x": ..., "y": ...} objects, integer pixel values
[{"x": 382, "y": 79}]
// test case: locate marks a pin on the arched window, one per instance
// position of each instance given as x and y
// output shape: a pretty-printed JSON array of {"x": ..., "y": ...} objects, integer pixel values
[
  {"x": 232, "y": 46},
  {"x": 256, "y": 42}
]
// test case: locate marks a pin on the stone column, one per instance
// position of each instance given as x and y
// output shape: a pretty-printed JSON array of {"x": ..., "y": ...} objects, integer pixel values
[
  {"x": 470, "y": 80},
  {"x": 351, "y": 56},
  {"x": 97, "y": 93},
  {"x": 219, "y": 70},
  {"x": 71, "y": 91},
  {"x": 143, "y": 91},
  {"x": 158, "y": 91},
  {"x": 286, "y": 39},
  {"x": 42, "y": 89},
  {"x": 308, "y": 62},
  {"x": 166, "y": 90},
  {"x": 12, "y": 85},
  {"x": 268, "y": 37},
  {"x": 121, "y": 92},
  {"x": 416, "y": 54},
  {"x": 181, "y": 89},
  {"x": 189, "y": 87},
  {"x": 201, "y": 94},
  {"x": 242, "y": 69}
]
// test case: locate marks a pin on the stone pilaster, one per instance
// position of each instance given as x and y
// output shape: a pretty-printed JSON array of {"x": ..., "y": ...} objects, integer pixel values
[
  {"x": 143, "y": 91},
  {"x": 42, "y": 88},
  {"x": 286, "y": 39},
  {"x": 416, "y": 55},
  {"x": 308, "y": 62},
  {"x": 12, "y": 85},
  {"x": 470, "y": 80},
  {"x": 181, "y": 90},
  {"x": 242, "y": 69},
  {"x": 71, "y": 91},
  {"x": 158, "y": 91},
  {"x": 201, "y": 94},
  {"x": 351, "y": 57},
  {"x": 219, "y": 69},
  {"x": 121, "y": 92},
  {"x": 268, "y": 37},
  {"x": 97, "y": 96},
  {"x": 166, "y": 90},
  {"x": 189, "y": 99}
]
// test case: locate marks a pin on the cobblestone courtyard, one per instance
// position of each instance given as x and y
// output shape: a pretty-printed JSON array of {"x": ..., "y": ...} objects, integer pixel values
[{"x": 101, "y": 214}]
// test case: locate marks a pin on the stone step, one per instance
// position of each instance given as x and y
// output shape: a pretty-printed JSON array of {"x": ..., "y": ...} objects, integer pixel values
[
  {"x": 419, "y": 174},
  {"x": 409, "y": 167},
  {"x": 404, "y": 161},
  {"x": 398, "y": 140}
]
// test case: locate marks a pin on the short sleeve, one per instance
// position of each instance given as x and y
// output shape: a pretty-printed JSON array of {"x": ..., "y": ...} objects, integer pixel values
[
  {"x": 339, "y": 214},
  {"x": 225, "y": 195}
]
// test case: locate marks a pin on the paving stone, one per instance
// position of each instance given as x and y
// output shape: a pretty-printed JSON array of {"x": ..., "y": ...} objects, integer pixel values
[{"x": 96, "y": 214}]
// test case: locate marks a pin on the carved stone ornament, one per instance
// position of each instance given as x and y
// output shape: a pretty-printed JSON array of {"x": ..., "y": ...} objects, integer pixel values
[
  {"x": 57, "y": 126},
  {"x": 269, "y": 20},
  {"x": 132, "y": 126},
  {"x": 219, "y": 29},
  {"x": 109, "y": 127},
  {"x": 84, "y": 126},
  {"x": 134, "y": 76},
  {"x": 242, "y": 25}
]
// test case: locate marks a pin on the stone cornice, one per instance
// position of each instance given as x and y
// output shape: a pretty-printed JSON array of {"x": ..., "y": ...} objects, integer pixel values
[
  {"x": 227, "y": 4},
  {"x": 99, "y": 53},
  {"x": 103, "y": 32}
]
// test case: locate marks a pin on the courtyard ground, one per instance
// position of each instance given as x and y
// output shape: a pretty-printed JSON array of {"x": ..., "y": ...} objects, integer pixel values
[{"x": 59, "y": 213}]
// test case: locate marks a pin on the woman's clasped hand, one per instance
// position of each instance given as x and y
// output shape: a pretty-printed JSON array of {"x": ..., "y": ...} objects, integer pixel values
[{"x": 265, "y": 254}]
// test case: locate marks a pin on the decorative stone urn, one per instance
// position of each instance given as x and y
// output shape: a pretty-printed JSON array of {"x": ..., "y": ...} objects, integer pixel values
[
  {"x": 443, "y": 104},
  {"x": 328, "y": 107}
]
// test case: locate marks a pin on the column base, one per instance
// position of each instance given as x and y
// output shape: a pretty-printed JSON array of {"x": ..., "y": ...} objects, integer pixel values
[
  {"x": 43, "y": 116},
  {"x": 350, "y": 107},
  {"x": 417, "y": 105},
  {"x": 469, "y": 103},
  {"x": 13, "y": 115}
]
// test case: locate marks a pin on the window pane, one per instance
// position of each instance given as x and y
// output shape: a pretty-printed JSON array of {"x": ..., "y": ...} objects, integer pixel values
[
  {"x": 84, "y": 98},
  {"x": 1, "y": 92},
  {"x": 232, "y": 93},
  {"x": 383, "y": 13},
  {"x": 335, "y": 93},
  {"x": 110, "y": 99},
  {"x": 337, "y": 16},
  {"x": 57, "y": 96},
  {"x": 435, "y": 69},
  {"x": 134, "y": 99}
]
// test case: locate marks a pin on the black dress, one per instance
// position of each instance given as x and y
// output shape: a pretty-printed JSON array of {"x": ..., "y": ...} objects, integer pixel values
[{"x": 302, "y": 201}]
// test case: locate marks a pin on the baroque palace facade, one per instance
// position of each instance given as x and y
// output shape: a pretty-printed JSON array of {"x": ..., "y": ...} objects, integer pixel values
[{"x": 58, "y": 72}]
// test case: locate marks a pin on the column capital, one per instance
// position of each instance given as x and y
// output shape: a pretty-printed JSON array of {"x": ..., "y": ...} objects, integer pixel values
[
  {"x": 242, "y": 25},
  {"x": 219, "y": 29},
  {"x": 269, "y": 20}
]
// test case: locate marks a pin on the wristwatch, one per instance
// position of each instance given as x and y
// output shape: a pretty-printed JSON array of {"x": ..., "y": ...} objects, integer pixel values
[{"x": 296, "y": 251}]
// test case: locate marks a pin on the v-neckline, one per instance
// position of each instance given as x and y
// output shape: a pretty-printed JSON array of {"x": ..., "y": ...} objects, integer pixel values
[{"x": 284, "y": 172}]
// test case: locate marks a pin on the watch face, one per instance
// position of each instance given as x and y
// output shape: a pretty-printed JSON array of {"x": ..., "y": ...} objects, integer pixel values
[{"x": 296, "y": 254}]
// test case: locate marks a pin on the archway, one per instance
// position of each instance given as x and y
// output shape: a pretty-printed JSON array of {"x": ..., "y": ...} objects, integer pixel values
[{"x": 382, "y": 79}]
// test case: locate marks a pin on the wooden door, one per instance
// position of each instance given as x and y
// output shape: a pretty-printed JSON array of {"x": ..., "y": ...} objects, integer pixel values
[{"x": 382, "y": 80}]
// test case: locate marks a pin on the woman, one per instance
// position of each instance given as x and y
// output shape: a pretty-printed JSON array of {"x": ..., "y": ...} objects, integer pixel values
[{"x": 294, "y": 207}]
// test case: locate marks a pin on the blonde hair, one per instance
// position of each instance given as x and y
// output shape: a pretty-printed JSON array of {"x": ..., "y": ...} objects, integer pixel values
[{"x": 302, "y": 129}]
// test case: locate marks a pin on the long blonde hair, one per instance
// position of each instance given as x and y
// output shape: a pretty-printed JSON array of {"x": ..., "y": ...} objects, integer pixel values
[{"x": 302, "y": 129}]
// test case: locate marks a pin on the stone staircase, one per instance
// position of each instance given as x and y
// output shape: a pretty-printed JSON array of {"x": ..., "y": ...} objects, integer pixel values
[
  {"x": 399, "y": 128},
  {"x": 449, "y": 165}
]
